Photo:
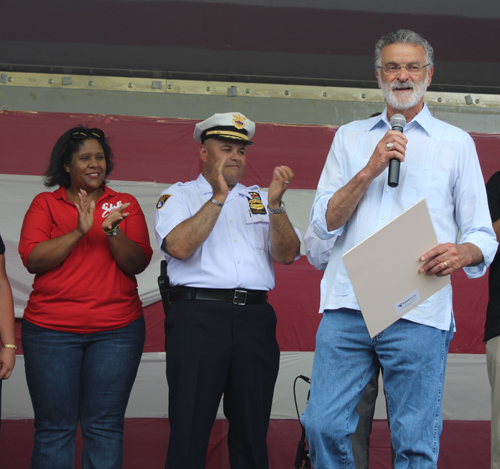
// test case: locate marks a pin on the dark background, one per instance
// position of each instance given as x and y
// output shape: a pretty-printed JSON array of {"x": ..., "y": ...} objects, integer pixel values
[{"x": 315, "y": 42}]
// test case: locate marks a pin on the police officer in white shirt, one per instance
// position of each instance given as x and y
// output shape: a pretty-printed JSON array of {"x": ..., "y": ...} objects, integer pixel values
[{"x": 220, "y": 238}]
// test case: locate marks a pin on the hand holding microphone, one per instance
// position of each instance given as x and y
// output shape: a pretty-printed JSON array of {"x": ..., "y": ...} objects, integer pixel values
[{"x": 398, "y": 123}]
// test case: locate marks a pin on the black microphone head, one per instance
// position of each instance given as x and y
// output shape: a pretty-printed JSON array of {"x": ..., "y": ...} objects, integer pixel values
[{"x": 398, "y": 122}]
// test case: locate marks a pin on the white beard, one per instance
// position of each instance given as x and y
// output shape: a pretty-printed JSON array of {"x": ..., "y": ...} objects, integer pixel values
[{"x": 406, "y": 99}]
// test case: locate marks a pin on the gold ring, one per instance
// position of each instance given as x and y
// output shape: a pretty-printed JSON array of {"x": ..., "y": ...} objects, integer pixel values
[{"x": 445, "y": 264}]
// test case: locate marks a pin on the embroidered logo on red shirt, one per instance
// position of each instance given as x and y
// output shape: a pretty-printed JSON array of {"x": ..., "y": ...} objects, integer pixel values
[{"x": 109, "y": 208}]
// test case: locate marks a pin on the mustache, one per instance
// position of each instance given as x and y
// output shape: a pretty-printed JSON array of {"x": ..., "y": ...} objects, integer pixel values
[{"x": 397, "y": 85}]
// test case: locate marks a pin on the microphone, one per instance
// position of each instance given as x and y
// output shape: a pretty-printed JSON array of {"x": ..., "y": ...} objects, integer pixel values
[{"x": 398, "y": 123}]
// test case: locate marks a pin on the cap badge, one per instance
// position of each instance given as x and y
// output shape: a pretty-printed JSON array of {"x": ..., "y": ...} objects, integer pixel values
[{"x": 239, "y": 121}]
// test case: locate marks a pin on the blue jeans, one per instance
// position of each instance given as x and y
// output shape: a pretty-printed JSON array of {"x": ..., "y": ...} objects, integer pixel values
[
  {"x": 84, "y": 378},
  {"x": 414, "y": 360}
]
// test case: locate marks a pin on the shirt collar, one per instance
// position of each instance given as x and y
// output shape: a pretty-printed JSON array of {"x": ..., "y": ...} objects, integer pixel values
[
  {"x": 206, "y": 189},
  {"x": 204, "y": 186},
  {"x": 61, "y": 193},
  {"x": 423, "y": 119},
  {"x": 377, "y": 121}
]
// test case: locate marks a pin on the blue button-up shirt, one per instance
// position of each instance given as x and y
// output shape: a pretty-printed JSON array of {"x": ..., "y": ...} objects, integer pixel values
[{"x": 441, "y": 165}]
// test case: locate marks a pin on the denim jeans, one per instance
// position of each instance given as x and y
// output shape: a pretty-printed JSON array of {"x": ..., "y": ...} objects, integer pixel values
[
  {"x": 414, "y": 360},
  {"x": 361, "y": 437},
  {"x": 84, "y": 378}
]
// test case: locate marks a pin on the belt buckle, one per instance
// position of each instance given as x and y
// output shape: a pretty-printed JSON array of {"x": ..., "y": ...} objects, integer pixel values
[{"x": 240, "y": 297}]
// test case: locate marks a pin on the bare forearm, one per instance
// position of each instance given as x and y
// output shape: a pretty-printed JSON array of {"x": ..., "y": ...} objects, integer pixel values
[
  {"x": 496, "y": 229},
  {"x": 6, "y": 315},
  {"x": 447, "y": 258},
  {"x": 472, "y": 255},
  {"x": 6, "y": 306},
  {"x": 343, "y": 203},
  {"x": 129, "y": 256},
  {"x": 189, "y": 235},
  {"x": 49, "y": 254},
  {"x": 7, "y": 336},
  {"x": 284, "y": 240}
]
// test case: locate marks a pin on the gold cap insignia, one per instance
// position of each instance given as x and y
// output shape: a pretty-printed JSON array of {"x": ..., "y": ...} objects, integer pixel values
[{"x": 239, "y": 121}]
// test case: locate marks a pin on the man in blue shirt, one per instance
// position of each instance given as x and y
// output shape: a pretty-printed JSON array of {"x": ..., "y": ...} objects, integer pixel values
[{"x": 439, "y": 163}]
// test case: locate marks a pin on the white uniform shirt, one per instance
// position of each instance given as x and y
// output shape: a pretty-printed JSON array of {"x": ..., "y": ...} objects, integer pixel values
[
  {"x": 440, "y": 165},
  {"x": 237, "y": 254}
]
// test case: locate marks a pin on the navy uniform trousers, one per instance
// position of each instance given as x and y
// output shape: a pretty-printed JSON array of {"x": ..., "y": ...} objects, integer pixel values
[{"x": 217, "y": 349}]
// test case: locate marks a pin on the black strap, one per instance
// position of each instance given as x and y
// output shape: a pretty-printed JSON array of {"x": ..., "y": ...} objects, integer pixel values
[
  {"x": 165, "y": 288},
  {"x": 237, "y": 296}
]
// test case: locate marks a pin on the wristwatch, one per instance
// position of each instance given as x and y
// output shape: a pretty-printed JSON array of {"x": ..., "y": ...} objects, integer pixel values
[
  {"x": 216, "y": 202},
  {"x": 113, "y": 231},
  {"x": 275, "y": 211}
]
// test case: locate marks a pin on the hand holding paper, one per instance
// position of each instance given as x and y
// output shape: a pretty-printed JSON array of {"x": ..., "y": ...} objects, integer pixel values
[
  {"x": 385, "y": 268},
  {"x": 447, "y": 258}
]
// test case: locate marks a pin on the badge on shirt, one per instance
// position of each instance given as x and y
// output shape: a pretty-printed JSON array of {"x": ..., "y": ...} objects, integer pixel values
[
  {"x": 255, "y": 203},
  {"x": 161, "y": 201}
]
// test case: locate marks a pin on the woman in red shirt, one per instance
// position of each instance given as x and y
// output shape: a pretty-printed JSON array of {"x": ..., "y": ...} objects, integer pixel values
[{"x": 83, "y": 329}]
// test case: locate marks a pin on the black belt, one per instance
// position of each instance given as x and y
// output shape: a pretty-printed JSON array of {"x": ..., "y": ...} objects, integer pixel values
[{"x": 238, "y": 297}]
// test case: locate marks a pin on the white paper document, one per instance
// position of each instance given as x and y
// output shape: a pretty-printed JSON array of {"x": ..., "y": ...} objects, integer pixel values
[{"x": 384, "y": 268}]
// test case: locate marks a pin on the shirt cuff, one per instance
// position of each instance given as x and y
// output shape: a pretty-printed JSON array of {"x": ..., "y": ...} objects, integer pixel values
[
  {"x": 488, "y": 247},
  {"x": 318, "y": 218}
]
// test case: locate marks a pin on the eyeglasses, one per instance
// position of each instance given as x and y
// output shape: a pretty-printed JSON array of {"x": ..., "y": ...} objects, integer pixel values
[
  {"x": 82, "y": 133},
  {"x": 412, "y": 69}
]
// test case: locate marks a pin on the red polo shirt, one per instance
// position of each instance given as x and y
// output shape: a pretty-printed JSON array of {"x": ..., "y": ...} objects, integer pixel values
[{"x": 87, "y": 292}]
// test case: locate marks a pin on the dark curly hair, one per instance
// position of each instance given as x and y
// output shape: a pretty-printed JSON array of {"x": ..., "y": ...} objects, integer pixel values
[{"x": 64, "y": 149}]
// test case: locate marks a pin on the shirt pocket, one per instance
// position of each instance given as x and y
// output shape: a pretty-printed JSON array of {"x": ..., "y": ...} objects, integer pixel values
[
  {"x": 429, "y": 184},
  {"x": 258, "y": 231}
]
